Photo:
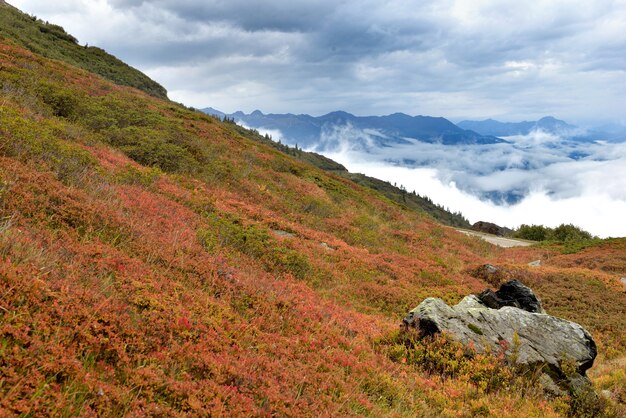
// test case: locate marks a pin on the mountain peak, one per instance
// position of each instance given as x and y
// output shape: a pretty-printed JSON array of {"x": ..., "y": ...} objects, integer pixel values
[
  {"x": 210, "y": 110},
  {"x": 338, "y": 114},
  {"x": 550, "y": 119},
  {"x": 551, "y": 122}
]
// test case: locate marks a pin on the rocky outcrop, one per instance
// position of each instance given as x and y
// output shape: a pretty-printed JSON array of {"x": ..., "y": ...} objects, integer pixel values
[
  {"x": 563, "y": 350},
  {"x": 491, "y": 228}
]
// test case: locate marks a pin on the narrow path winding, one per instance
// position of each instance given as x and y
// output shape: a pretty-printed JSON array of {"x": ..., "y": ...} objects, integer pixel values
[{"x": 495, "y": 240}]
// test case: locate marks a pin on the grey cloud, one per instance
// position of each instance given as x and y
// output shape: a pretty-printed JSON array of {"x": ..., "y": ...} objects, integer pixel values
[
  {"x": 249, "y": 15},
  {"x": 504, "y": 58}
]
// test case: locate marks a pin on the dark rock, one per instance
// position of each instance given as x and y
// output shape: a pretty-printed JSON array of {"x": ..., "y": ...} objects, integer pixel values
[
  {"x": 491, "y": 228},
  {"x": 512, "y": 293},
  {"x": 543, "y": 342}
]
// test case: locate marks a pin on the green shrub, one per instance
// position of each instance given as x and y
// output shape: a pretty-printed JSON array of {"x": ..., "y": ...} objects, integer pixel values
[
  {"x": 562, "y": 233},
  {"x": 132, "y": 175},
  {"x": 569, "y": 232},
  {"x": 317, "y": 207},
  {"x": 572, "y": 247},
  {"x": 26, "y": 139},
  {"x": 449, "y": 359},
  {"x": 254, "y": 241},
  {"x": 167, "y": 157},
  {"x": 290, "y": 261},
  {"x": 63, "y": 103},
  {"x": 532, "y": 232},
  {"x": 228, "y": 231},
  {"x": 57, "y": 31}
]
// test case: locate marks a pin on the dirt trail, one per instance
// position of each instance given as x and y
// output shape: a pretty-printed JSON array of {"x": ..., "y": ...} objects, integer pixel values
[{"x": 495, "y": 240}]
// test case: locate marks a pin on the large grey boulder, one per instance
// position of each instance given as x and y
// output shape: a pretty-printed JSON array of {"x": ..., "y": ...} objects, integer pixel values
[{"x": 563, "y": 350}]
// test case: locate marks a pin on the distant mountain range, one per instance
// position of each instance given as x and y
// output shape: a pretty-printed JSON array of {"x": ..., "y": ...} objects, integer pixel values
[
  {"x": 497, "y": 128},
  {"x": 323, "y": 131},
  {"x": 548, "y": 125}
]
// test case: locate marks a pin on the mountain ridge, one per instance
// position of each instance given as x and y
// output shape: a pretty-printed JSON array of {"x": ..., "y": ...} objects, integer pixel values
[
  {"x": 547, "y": 124},
  {"x": 397, "y": 128}
]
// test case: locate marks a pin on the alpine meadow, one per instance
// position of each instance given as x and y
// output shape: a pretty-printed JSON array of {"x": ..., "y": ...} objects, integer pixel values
[{"x": 159, "y": 261}]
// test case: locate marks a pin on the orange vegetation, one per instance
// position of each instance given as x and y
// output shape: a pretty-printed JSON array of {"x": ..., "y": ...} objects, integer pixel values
[{"x": 153, "y": 262}]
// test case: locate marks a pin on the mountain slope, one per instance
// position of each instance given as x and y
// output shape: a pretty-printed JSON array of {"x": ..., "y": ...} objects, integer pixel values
[
  {"x": 154, "y": 261},
  {"x": 51, "y": 41},
  {"x": 398, "y": 195},
  {"x": 325, "y": 132}
]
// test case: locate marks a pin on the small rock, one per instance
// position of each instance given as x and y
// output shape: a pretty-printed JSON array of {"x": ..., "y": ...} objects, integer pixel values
[
  {"x": 327, "y": 247},
  {"x": 536, "y": 263},
  {"x": 606, "y": 394},
  {"x": 281, "y": 233},
  {"x": 489, "y": 268},
  {"x": 512, "y": 293},
  {"x": 550, "y": 387},
  {"x": 100, "y": 392},
  {"x": 624, "y": 281},
  {"x": 490, "y": 228}
]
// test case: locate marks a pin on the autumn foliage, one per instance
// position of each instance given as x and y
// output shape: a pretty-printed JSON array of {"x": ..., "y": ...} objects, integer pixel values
[{"x": 154, "y": 262}]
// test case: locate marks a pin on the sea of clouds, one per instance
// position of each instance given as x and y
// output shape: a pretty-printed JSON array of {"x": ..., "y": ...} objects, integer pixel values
[{"x": 538, "y": 178}]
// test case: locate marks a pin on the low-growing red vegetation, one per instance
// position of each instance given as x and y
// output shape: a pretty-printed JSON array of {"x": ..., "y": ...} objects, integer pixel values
[{"x": 154, "y": 262}]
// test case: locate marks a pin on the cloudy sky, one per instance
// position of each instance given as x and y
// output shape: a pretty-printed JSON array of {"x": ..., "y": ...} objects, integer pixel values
[{"x": 507, "y": 59}]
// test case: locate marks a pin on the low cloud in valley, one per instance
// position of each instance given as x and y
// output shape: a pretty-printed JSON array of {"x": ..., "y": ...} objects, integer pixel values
[{"x": 535, "y": 179}]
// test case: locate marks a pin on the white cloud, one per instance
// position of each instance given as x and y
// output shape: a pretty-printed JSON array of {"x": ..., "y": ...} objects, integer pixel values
[
  {"x": 552, "y": 188},
  {"x": 598, "y": 212}
]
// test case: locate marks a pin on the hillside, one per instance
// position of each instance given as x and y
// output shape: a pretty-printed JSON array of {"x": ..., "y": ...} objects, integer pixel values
[
  {"x": 51, "y": 41},
  {"x": 155, "y": 261},
  {"x": 398, "y": 195}
]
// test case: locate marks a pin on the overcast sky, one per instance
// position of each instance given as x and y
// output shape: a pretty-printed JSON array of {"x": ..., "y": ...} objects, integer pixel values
[{"x": 507, "y": 59}]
